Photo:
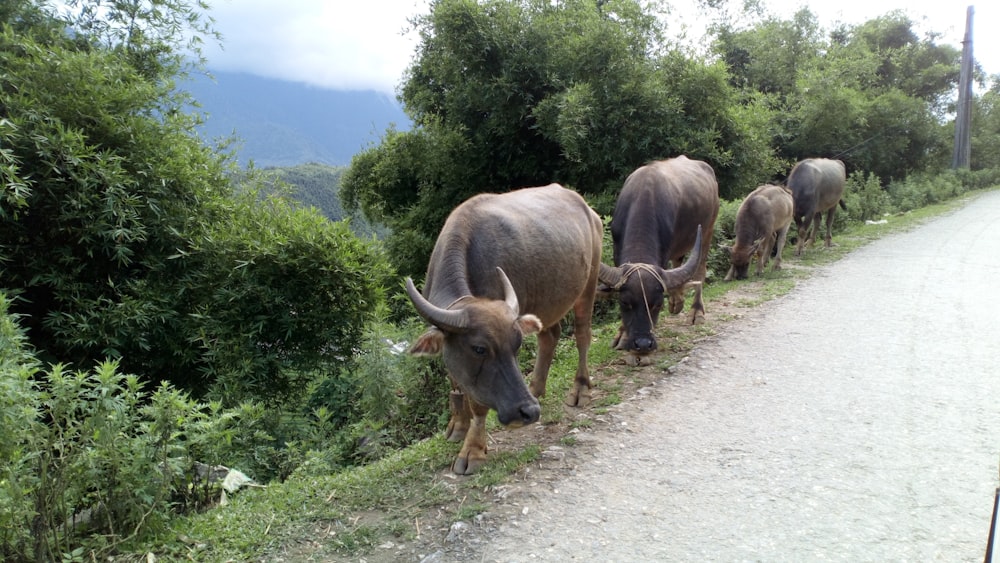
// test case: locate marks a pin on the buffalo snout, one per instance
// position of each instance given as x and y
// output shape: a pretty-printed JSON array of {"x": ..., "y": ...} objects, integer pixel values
[
  {"x": 643, "y": 345},
  {"x": 522, "y": 414}
]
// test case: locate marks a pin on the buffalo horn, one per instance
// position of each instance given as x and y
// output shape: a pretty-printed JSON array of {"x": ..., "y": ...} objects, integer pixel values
[
  {"x": 676, "y": 277},
  {"x": 445, "y": 319},
  {"x": 508, "y": 292},
  {"x": 612, "y": 277}
]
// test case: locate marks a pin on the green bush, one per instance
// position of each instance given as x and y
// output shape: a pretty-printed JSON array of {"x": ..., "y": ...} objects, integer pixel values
[
  {"x": 268, "y": 298},
  {"x": 725, "y": 233},
  {"x": 865, "y": 198},
  {"x": 396, "y": 400},
  {"x": 919, "y": 190},
  {"x": 90, "y": 460},
  {"x": 979, "y": 179}
]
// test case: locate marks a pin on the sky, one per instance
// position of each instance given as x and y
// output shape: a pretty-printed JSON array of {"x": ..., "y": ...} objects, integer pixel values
[{"x": 367, "y": 45}]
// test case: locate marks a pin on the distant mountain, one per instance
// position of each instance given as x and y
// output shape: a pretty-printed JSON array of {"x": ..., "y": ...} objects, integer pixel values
[
  {"x": 318, "y": 186},
  {"x": 287, "y": 123}
]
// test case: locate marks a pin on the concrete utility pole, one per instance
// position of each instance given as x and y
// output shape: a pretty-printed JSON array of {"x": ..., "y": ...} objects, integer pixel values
[{"x": 963, "y": 116}]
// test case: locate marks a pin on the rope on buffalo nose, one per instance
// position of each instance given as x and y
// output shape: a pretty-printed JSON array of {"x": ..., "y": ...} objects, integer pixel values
[
  {"x": 633, "y": 268},
  {"x": 649, "y": 315}
]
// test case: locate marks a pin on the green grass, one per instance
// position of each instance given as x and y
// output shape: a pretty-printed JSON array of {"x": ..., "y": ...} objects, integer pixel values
[{"x": 259, "y": 519}]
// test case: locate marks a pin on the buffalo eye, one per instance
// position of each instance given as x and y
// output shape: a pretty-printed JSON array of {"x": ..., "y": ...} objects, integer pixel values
[{"x": 479, "y": 350}]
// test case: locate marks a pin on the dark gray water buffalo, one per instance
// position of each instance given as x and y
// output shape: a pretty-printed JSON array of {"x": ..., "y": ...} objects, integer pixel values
[
  {"x": 762, "y": 223},
  {"x": 664, "y": 210},
  {"x": 817, "y": 186},
  {"x": 507, "y": 265}
]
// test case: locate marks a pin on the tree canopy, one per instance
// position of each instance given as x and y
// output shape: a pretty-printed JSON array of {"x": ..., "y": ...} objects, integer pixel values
[{"x": 874, "y": 95}]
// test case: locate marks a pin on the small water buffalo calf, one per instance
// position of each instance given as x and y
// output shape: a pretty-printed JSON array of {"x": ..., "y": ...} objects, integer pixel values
[
  {"x": 817, "y": 186},
  {"x": 659, "y": 218},
  {"x": 503, "y": 266},
  {"x": 762, "y": 220}
]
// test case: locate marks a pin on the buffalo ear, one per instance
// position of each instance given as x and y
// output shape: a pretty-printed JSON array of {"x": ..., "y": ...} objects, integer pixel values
[
  {"x": 430, "y": 343},
  {"x": 529, "y": 324}
]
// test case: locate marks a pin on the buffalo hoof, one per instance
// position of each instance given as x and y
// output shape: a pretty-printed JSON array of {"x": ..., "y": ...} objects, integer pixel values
[
  {"x": 467, "y": 465},
  {"x": 455, "y": 432},
  {"x": 579, "y": 396}
]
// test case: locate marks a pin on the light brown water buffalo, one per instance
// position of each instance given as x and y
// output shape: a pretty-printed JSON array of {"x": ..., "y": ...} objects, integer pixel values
[
  {"x": 817, "y": 186},
  {"x": 662, "y": 213},
  {"x": 762, "y": 220},
  {"x": 507, "y": 265}
]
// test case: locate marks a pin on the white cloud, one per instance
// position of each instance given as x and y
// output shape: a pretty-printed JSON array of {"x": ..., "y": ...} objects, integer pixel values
[
  {"x": 362, "y": 45},
  {"x": 337, "y": 45}
]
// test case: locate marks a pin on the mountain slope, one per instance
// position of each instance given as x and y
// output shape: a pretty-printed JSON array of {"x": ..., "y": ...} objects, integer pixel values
[{"x": 285, "y": 123}]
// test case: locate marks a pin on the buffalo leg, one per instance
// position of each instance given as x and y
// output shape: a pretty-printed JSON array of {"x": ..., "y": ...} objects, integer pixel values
[
  {"x": 579, "y": 395},
  {"x": 618, "y": 343},
  {"x": 804, "y": 233},
  {"x": 765, "y": 253},
  {"x": 780, "y": 243},
  {"x": 458, "y": 424},
  {"x": 817, "y": 220},
  {"x": 829, "y": 226},
  {"x": 547, "y": 339},
  {"x": 697, "y": 306},
  {"x": 473, "y": 453}
]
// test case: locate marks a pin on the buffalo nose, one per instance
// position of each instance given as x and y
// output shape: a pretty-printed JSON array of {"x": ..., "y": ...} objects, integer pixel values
[
  {"x": 644, "y": 344},
  {"x": 521, "y": 414},
  {"x": 530, "y": 412}
]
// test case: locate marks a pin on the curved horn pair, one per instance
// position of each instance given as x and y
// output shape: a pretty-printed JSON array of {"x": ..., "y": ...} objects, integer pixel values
[
  {"x": 674, "y": 277},
  {"x": 455, "y": 320}
]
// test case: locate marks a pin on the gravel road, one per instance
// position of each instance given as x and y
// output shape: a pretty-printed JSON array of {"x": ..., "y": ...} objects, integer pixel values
[{"x": 854, "y": 419}]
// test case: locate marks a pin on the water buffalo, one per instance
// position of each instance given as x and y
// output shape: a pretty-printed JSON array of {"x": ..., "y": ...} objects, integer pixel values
[
  {"x": 658, "y": 219},
  {"x": 507, "y": 265},
  {"x": 762, "y": 220},
  {"x": 817, "y": 186}
]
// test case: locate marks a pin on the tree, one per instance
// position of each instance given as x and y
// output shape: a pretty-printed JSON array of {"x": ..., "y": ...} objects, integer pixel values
[
  {"x": 874, "y": 95},
  {"x": 770, "y": 56},
  {"x": 507, "y": 94},
  {"x": 986, "y": 128}
]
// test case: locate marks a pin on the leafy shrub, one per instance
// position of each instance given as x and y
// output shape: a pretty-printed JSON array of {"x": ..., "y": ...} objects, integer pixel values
[
  {"x": 395, "y": 400},
  {"x": 865, "y": 198},
  {"x": 907, "y": 195},
  {"x": 979, "y": 179},
  {"x": 91, "y": 460},
  {"x": 919, "y": 190},
  {"x": 725, "y": 233}
]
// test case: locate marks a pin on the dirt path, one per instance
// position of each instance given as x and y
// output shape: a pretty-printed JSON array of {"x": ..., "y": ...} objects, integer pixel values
[{"x": 855, "y": 419}]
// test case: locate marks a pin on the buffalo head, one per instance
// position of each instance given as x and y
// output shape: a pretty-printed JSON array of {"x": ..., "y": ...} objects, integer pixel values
[
  {"x": 641, "y": 291},
  {"x": 478, "y": 339},
  {"x": 741, "y": 256}
]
